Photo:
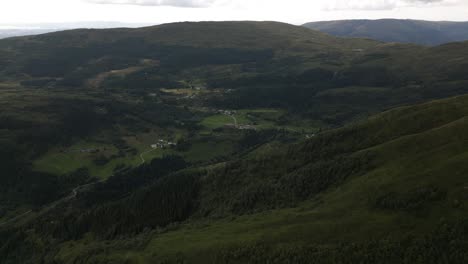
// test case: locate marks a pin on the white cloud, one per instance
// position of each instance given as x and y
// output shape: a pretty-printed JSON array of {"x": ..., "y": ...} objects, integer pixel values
[
  {"x": 20, "y": 12},
  {"x": 175, "y": 3},
  {"x": 384, "y": 4}
]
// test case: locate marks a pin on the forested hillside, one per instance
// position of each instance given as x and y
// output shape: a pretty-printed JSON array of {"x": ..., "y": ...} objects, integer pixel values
[
  {"x": 350, "y": 187},
  {"x": 286, "y": 66},
  {"x": 272, "y": 143}
]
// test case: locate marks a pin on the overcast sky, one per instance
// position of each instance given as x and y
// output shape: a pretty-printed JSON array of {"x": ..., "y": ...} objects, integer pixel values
[{"x": 14, "y": 12}]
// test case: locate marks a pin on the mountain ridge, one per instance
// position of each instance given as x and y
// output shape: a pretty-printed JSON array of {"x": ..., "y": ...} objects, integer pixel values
[{"x": 396, "y": 30}]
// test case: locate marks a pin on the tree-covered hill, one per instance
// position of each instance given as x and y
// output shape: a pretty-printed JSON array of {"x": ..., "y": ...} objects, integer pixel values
[
  {"x": 262, "y": 64},
  {"x": 176, "y": 46}
]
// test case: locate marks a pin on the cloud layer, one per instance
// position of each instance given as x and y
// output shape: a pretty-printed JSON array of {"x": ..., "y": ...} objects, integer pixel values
[
  {"x": 383, "y": 4},
  {"x": 327, "y": 4},
  {"x": 176, "y": 3}
]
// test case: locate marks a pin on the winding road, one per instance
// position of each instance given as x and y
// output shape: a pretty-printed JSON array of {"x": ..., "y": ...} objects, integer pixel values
[
  {"x": 234, "y": 119},
  {"x": 143, "y": 153}
]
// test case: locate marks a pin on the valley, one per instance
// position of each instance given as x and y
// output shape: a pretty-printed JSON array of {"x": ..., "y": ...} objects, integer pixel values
[{"x": 273, "y": 144}]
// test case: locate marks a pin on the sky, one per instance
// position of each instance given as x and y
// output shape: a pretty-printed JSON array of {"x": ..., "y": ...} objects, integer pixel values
[{"x": 21, "y": 12}]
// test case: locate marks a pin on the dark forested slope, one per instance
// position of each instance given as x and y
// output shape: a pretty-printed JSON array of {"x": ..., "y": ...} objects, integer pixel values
[{"x": 392, "y": 187}]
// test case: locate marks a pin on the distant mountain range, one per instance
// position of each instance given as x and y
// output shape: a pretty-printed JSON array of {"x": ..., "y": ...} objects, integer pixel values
[
  {"x": 395, "y": 30},
  {"x": 16, "y": 32},
  {"x": 7, "y": 31},
  {"x": 388, "y": 30}
]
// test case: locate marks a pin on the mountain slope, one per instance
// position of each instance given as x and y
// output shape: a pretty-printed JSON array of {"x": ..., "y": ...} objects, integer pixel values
[
  {"x": 284, "y": 65},
  {"x": 389, "y": 188},
  {"x": 171, "y": 144},
  {"x": 394, "y": 30},
  {"x": 164, "y": 42}
]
